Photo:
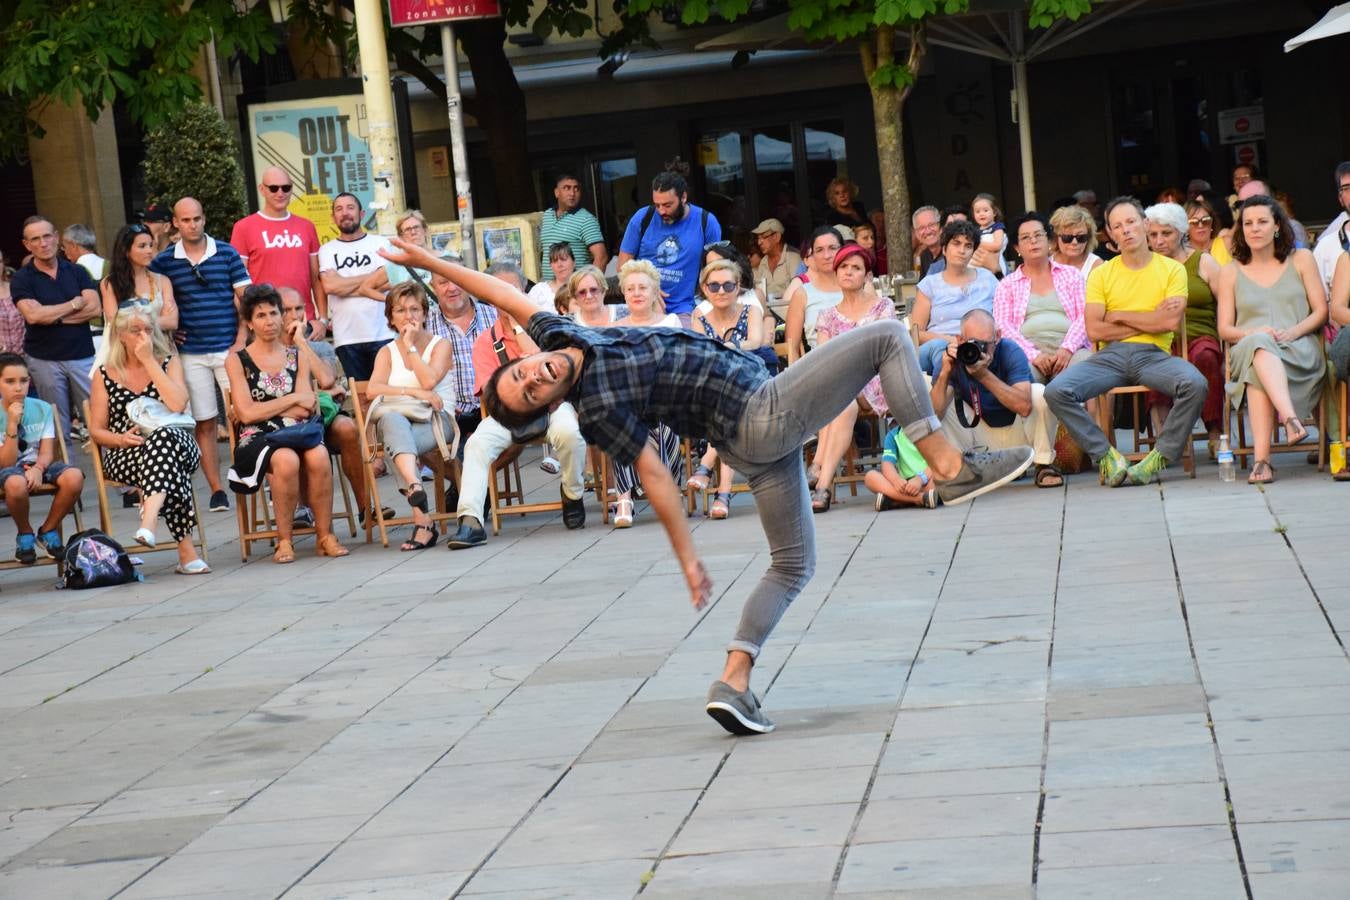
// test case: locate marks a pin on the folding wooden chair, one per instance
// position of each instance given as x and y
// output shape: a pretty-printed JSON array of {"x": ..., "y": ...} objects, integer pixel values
[
  {"x": 506, "y": 489},
  {"x": 1242, "y": 449},
  {"x": 102, "y": 482},
  {"x": 1141, "y": 425},
  {"x": 369, "y": 452},
  {"x": 47, "y": 490},
  {"x": 254, "y": 511}
]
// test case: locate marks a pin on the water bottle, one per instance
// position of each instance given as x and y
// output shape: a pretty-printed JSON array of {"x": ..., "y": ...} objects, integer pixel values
[{"x": 1227, "y": 469}]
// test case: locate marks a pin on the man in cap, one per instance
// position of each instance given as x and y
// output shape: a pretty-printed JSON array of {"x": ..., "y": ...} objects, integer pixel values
[{"x": 779, "y": 263}]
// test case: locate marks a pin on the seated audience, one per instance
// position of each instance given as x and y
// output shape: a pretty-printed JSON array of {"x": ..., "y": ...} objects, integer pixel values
[
  {"x": 280, "y": 431},
  {"x": 1272, "y": 306},
  {"x": 141, "y": 363},
  {"x": 853, "y": 271},
  {"x": 904, "y": 478},
  {"x": 587, "y": 288},
  {"x": 866, "y": 237},
  {"x": 641, "y": 286},
  {"x": 1039, "y": 306},
  {"x": 992, "y": 401},
  {"x": 562, "y": 262},
  {"x": 28, "y": 461},
  {"x": 459, "y": 318},
  {"x": 945, "y": 296},
  {"x": 844, "y": 208},
  {"x": 1167, "y": 230},
  {"x": 1204, "y": 222},
  {"x": 722, "y": 316},
  {"x": 1135, "y": 302},
  {"x": 415, "y": 386},
  {"x": 778, "y": 262},
  {"x": 812, "y": 293},
  {"x": 1075, "y": 239}
]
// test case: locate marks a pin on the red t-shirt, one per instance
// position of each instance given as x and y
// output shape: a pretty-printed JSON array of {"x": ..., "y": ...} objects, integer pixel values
[
  {"x": 485, "y": 360},
  {"x": 278, "y": 251}
]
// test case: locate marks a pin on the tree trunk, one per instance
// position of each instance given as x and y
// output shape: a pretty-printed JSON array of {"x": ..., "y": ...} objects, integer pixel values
[
  {"x": 499, "y": 109},
  {"x": 887, "y": 107}
]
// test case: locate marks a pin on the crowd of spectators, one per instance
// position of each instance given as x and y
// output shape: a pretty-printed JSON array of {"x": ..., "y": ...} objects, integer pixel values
[{"x": 1211, "y": 301}]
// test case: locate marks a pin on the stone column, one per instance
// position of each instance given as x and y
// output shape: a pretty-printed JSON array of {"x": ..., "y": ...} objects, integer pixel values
[{"x": 76, "y": 175}]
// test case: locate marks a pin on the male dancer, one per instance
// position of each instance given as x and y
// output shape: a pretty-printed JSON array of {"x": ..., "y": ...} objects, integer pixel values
[{"x": 619, "y": 379}]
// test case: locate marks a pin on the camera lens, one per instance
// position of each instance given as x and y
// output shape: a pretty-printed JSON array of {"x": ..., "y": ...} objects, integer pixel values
[{"x": 968, "y": 353}]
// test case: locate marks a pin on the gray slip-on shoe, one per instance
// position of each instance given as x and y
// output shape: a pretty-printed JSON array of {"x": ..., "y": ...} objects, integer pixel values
[
  {"x": 737, "y": 711},
  {"x": 983, "y": 471}
]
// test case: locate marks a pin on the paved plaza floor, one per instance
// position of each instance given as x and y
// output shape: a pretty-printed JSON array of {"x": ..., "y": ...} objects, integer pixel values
[{"x": 1139, "y": 693}]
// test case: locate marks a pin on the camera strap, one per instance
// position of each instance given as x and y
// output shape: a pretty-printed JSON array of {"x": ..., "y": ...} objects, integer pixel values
[{"x": 967, "y": 393}]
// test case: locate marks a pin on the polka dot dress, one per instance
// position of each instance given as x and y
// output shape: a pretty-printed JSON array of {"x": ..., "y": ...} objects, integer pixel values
[{"x": 164, "y": 463}]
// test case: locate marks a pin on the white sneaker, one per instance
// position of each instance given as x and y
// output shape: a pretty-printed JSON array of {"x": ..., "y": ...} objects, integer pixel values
[{"x": 550, "y": 465}]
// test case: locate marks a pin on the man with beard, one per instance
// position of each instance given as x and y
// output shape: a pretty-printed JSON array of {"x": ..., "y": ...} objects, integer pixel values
[
  {"x": 671, "y": 235},
  {"x": 358, "y": 324},
  {"x": 208, "y": 278}
]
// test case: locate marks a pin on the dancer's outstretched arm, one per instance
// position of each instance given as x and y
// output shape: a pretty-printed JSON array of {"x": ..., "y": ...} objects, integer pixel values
[
  {"x": 664, "y": 496},
  {"x": 483, "y": 287}
]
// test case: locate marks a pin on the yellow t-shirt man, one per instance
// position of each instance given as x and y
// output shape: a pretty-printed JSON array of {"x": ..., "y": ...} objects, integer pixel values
[{"x": 1122, "y": 289}]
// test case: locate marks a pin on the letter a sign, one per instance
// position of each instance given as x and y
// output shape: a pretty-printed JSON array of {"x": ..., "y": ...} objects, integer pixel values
[{"x": 424, "y": 12}]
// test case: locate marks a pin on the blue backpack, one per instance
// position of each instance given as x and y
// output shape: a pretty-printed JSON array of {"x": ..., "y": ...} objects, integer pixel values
[{"x": 92, "y": 559}]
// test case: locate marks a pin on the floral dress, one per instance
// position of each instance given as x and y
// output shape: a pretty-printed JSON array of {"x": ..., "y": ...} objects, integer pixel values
[
  {"x": 251, "y": 452},
  {"x": 163, "y": 464}
]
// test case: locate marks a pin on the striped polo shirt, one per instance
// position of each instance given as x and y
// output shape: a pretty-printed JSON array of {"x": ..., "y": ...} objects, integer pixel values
[
  {"x": 578, "y": 228},
  {"x": 205, "y": 294}
]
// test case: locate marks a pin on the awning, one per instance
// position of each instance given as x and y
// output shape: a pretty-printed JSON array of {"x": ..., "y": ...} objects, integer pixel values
[{"x": 1335, "y": 22}]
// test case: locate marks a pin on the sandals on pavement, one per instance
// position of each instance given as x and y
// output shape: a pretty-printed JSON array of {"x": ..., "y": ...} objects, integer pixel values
[
  {"x": 1261, "y": 465},
  {"x": 329, "y": 545},
  {"x": 821, "y": 499},
  {"x": 701, "y": 478},
  {"x": 1049, "y": 476},
  {"x": 1294, "y": 430},
  {"x": 413, "y": 543},
  {"x": 285, "y": 552},
  {"x": 721, "y": 507},
  {"x": 197, "y": 566},
  {"x": 623, "y": 512}
]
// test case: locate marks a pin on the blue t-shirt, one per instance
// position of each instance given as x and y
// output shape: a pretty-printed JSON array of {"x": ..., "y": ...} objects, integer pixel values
[
  {"x": 55, "y": 341},
  {"x": 951, "y": 302},
  {"x": 38, "y": 422},
  {"x": 204, "y": 294},
  {"x": 1009, "y": 365},
  {"x": 675, "y": 250}
]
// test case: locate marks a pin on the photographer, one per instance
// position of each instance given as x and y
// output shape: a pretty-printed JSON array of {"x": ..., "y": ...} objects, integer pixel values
[{"x": 982, "y": 390}]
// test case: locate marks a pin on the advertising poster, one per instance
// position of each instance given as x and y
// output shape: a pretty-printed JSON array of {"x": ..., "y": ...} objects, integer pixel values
[{"x": 322, "y": 144}]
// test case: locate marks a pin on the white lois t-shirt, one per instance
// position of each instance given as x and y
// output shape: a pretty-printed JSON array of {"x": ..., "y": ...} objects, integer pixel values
[{"x": 355, "y": 319}]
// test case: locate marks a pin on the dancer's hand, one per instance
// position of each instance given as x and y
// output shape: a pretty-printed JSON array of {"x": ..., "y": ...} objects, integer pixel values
[{"x": 700, "y": 585}]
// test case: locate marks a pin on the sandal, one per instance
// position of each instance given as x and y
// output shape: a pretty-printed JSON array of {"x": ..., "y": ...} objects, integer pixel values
[
  {"x": 329, "y": 545},
  {"x": 414, "y": 544},
  {"x": 1259, "y": 466},
  {"x": 197, "y": 566},
  {"x": 701, "y": 478},
  {"x": 623, "y": 513},
  {"x": 812, "y": 476},
  {"x": 721, "y": 507},
  {"x": 285, "y": 552},
  {"x": 821, "y": 499},
  {"x": 1049, "y": 476},
  {"x": 417, "y": 498},
  {"x": 1294, "y": 432}
]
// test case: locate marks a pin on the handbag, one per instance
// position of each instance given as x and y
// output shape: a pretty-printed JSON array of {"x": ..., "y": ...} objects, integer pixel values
[
  {"x": 301, "y": 436},
  {"x": 414, "y": 410},
  {"x": 149, "y": 414}
]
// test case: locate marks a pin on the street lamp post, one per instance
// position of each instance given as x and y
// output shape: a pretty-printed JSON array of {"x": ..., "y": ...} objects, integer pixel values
[{"x": 459, "y": 155}]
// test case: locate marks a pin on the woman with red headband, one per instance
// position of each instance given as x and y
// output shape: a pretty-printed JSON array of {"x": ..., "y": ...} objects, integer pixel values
[{"x": 853, "y": 270}]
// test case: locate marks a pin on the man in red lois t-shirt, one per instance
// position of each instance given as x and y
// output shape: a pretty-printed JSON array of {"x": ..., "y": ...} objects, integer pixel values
[{"x": 283, "y": 249}]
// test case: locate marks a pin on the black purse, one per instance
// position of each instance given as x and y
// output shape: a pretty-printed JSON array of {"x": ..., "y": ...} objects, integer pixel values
[{"x": 530, "y": 431}]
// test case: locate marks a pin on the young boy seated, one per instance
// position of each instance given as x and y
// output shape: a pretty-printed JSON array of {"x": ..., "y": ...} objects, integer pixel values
[
  {"x": 904, "y": 478},
  {"x": 27, "y": 451}
]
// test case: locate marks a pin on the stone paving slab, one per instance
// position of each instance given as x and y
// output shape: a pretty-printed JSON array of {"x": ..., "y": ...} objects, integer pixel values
[{"x": 1041, "y": 694}]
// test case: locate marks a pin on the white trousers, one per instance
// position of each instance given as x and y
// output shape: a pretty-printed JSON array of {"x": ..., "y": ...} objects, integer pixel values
[{"x": 490, "y": 439}]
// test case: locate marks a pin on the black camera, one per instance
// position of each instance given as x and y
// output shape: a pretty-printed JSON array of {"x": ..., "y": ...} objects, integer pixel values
[{"x": 969, "y": 353}]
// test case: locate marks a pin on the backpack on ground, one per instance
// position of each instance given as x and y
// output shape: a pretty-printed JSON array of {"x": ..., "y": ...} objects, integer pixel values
[{"x": 92, "y": 559}]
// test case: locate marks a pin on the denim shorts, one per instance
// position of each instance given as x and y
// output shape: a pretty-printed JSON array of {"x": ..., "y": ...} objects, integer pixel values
[{"x": 52, "y": 472}]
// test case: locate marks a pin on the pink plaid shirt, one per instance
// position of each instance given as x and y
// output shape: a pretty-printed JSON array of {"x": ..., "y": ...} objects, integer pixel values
[{"x": 1010, "y": 307}]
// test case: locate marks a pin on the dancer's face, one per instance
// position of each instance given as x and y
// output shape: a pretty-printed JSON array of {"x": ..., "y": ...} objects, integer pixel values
[{"x": 538, "y": 381}]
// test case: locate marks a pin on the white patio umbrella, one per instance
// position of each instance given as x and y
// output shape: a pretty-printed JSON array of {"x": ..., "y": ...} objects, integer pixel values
[{"x": 1336, "y": 21}]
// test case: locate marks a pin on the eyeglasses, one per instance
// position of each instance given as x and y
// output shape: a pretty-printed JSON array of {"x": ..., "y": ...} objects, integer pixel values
[
  {"x": 409, "y": 229},
  {"x": 284, "y": 188},
  {"x": 197, "y": 274},
  {"x": 721, "y": 287},
  {"x": 1034, "y": 237},
  {"x": 1343, "y": 189},
  {"x": 589, "y": 292},
  {"x": 1201, "y": 221},
  {"x": 41, "y": 238},
  {"x": 1073, "y": 238}
]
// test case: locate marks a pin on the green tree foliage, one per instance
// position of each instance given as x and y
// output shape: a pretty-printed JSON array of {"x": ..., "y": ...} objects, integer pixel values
[
  {"x": 194, "y": 154},
  {"x": 92, "y": 52}
]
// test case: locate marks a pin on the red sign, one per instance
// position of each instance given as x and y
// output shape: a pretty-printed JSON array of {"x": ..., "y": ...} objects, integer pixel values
[
  {"x": 1246, "y": 154},
  {"x": 1242, "y": 126},
  {"x": 427, "y": 12}
]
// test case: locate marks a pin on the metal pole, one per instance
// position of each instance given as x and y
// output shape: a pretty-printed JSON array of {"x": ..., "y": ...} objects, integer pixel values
[
  {"x": 1019, "y": 68},
  {"x": 459, "y": 153}
]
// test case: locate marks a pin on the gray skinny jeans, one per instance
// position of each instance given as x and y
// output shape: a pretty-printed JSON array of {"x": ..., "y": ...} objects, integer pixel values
[
  {"x": 767, "y": 449},
  {"x": 1118, "y": 365}
]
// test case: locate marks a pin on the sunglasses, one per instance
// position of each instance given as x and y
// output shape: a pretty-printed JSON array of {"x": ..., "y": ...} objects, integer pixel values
[
  {"x": 138, "y": 229},
  {"x": 721, "y": 287},
  {"x": 133, "y": 301},
  {"x": 1202, "y": 221},
  {"x": 589, "y": 292},
  {"x": 285, "y": 188},
  {"x": 1073, "y": 238},
  {"x": 197, "y": 274}
]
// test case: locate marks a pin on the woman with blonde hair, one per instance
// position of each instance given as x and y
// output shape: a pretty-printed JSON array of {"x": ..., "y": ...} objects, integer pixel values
[
  {"x": 141, "y": 364},
  {"x": 587, "y": 288},
  {"x": 1075, "y": 239},
  {"x": 841, "y": 196}
]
